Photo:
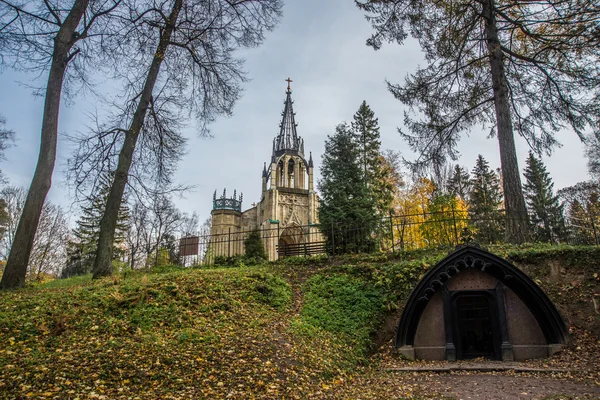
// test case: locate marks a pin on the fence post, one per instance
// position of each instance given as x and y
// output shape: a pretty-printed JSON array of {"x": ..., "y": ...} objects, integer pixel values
[
  {"x": 454, "y": 223},
  {"x": 277, "y": 241},
  {"x": 392, "y": 231}
]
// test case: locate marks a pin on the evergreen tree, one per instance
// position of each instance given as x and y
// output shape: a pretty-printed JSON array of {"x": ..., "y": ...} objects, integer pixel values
[
  {"x": 365, "y": 131},
  {"x": 253, "y": 246},
  {"x": 81, "y": 249},
  {"x": 347, "y": 209},
  {"x": 545, "y": 209},
  {"x": 459, "y": 183},
  {"x": 376, "y": 172},
  {"x": 485, "y": 200}
]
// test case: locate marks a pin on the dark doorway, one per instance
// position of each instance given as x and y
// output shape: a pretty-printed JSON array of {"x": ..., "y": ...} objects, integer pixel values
[{"x": 476, "y": 327}]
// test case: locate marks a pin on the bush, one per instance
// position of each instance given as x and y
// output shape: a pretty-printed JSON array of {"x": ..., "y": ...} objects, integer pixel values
[
  {"x": 344, "y": 305},
  {"x": 272, "y": 290}
]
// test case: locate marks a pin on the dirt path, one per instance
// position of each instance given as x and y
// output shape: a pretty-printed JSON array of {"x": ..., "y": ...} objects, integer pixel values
[
  {"x": 504, "y": 387},
  {"x": 463, "y": 386}
]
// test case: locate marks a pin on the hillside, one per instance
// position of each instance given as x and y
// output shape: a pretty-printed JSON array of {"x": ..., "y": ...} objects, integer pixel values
[{"x": 301, "y": 328}]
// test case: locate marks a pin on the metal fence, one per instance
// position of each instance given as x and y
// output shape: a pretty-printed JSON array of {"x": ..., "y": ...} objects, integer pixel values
[{"x": 440, "y": 229}]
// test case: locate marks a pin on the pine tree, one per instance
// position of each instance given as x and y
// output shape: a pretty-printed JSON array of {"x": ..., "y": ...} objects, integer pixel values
[
  {"x": 485, "y": 200},
  {"x": 347, "y": 209},
  {"x": 376, "y": 173},
  {"x": 544, "y": 206},
  {"x": 459, "y": 183},
  {"x": 81, "y": 249}
]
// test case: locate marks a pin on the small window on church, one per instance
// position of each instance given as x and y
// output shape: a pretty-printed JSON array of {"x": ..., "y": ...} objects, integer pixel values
[
  {"x": 291, "y": 175},
  {"x": 281, "y": 174}
]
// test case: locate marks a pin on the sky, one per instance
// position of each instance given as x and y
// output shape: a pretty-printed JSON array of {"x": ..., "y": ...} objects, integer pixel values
[{"x": 320, "y": 45}]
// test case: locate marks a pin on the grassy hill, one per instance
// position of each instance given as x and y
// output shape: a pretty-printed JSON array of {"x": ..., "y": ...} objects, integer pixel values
[{"x": 299, "y": 328}]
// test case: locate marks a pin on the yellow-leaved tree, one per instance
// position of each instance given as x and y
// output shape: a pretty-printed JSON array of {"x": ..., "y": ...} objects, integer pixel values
[
  {"x": 410, "y": 207},
  {"x": 446, "y": 218}
]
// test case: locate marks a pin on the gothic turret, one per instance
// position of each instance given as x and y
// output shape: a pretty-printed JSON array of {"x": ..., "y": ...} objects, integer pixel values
[{"x": 227, "y": 203}]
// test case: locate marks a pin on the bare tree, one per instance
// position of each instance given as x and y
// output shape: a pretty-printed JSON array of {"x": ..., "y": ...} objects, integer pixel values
[
  {"x": 166, "y": 220},
  {"x": 189, "y": 226},
  {"x": 14, "y": 197},
  {"x": 48, "y": 252},
  {"x": 47, "y": 36},
  {"x": 6, "y": 138},
  {"x": 150, "y": 225},
  {"x": 529, "y": 67},
  {"x": 194, "y": 42},
  {"x": 137, "y": 235}
]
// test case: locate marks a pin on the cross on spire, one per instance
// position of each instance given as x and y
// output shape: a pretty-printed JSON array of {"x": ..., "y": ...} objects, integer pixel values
[{"x": 288, "y": 80}]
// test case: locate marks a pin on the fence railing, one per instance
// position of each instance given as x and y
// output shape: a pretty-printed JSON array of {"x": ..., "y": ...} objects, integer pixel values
[{"x": 438, "y": 229}]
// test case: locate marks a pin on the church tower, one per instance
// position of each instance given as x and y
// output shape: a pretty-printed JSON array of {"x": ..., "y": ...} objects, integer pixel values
[{"x": 287, "y": 212}]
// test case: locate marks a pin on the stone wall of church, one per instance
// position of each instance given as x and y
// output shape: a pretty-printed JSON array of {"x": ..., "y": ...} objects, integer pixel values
[
  {"x": 292, "y": 207},
  {"x": 224, "y": 220},
  {"x": 249, "y": 219},
  {"x": 226, "y": 239}
]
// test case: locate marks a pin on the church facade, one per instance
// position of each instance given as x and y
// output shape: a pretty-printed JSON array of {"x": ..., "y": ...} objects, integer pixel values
[{"x": 287, "y": 212}]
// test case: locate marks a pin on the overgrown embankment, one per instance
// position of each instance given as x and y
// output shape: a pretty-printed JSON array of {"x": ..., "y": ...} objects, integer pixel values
[{"x": 293, "y": 329}]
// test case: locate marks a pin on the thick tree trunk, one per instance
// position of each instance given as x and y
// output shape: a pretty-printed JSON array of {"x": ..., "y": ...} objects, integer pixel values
[
  {"x": 18, "y": 259},
  {"x": 104, "y": 253},
  {"x": 517, "y": 224}
]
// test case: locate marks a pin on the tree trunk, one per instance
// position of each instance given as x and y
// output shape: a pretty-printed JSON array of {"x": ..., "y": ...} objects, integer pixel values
[
  {"x": 104, "y": 253},
  {"x": 517, "y": 224},
  {"x": 18, "y": 259}
]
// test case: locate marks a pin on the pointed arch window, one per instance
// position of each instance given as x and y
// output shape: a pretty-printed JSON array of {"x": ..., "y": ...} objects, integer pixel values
[
  {"x": 291, "y": 175},
  {"x": 280, "y": 173}
]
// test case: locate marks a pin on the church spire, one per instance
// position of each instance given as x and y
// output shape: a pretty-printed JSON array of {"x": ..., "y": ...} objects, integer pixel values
[{"x": 288, "y": 140}]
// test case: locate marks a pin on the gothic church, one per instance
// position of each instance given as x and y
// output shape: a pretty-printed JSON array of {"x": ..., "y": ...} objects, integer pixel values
[{"x": 287, "y": 211}]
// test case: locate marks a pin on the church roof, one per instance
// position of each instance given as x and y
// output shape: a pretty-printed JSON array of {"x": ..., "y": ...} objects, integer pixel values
[{"x": 288, "y": 141}]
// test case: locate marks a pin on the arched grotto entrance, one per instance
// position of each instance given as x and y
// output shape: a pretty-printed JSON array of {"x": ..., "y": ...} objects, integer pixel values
[{"x": 476, "y": 304}]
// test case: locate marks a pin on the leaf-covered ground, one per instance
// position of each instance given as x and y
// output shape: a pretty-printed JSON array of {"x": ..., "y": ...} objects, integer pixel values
[{"x": 302, "y": 329}]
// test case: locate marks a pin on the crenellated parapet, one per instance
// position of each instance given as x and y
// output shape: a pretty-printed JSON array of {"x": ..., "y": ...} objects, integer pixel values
[{"x": 228, "y": 203}]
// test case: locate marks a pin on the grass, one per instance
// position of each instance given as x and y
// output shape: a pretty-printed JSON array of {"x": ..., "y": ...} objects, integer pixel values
[
  {"x": 67, "y": 282},
  {"x": 298, "y": 328}
]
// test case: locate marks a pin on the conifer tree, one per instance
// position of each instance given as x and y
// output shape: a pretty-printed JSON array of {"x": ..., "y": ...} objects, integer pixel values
[
  {"x": 347, "y": 209},
  {"x": 365, "y": 131},
  {"x": 376, "y": 173},
  {"x": 81, "y": 250},
  {"x": 253, "y": 245},
  {"x": 485, "y": 200},
  {"x": 459, "y": 183},
  {"x": 544, "y": 206}
]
